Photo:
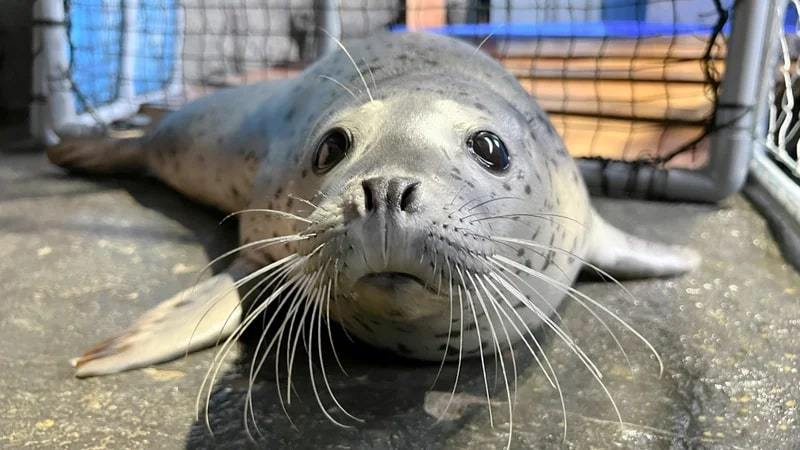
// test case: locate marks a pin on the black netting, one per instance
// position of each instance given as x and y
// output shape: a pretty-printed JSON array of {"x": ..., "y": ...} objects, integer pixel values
[{"x": 631, "y": 80}]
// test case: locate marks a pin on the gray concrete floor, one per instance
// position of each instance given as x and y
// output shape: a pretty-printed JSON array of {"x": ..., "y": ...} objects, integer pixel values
[{"x": 81, "y": 258}]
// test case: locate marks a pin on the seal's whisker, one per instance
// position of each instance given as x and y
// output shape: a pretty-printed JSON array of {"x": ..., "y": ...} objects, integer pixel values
[
  {"x": 494, "y": 199},
  {"x": 228, "y": 344},
  {"x": 459, "y": 191},
  {"x": 593, "y": 370},
  {"x": 492, "y": 301},
  {"x": 514, "y": 291},
  {"x": 515, "y": 216},
  {"x": 259, "y": 244},
  {"x": 350, "y": 57},
  {"x": 304, "y": 201},
  {"x": 603, "y": 273},
  {"x": 316, "y": 316},
  {"x": 582, "y": 304},
  {"x": 216, "y": 365},
  {"x": 278, "y": 339},
  {"x": 282, "y": 262},
  {"x": 263, "y": 243},
  {"x": 499, "y": 353},
  {"x": 435, "y": 259},
  {"x": 276, "y": 212},
  {"x": 290, "y": 355},
  {"x": 371, "y": 74},
  {"x": 480, "y": 344},
  {"x": 338, "y": 83},
  {"x": 248, "y": 398},
  {"x": 289, "y": 298},
  {"x": 572, "y": 290},
  {"x": 298, "y": 285},
  {"x": 320, "y": 302},
  {"x": 460, "y": 337},
  {"x": 314, "y": 388},
  {"x": 328, "y": 316},
  {"x": 484, "y": 41},
  {"x": 449, "y": 330},
  {"x": 521, "y": 334},
  {"x": 554, "y": 380},
  {"x": 250, "y": 318}
]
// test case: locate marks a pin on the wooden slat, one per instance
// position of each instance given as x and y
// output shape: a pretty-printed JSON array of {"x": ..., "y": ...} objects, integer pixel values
[
  {"x": 629, "y": 140},
  {"x": 609, "y": 68},
  {"x": 422, "y": 14},
  {"x": 636, "y": 100},
  {"x": 678, "y": 47}
]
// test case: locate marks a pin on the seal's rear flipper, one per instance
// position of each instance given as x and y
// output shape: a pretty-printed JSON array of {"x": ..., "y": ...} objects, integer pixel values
[
  {"x": 193, "y": 319},
  {"x": 99, "y": 154},
  {"x": 625, "y": 256}
]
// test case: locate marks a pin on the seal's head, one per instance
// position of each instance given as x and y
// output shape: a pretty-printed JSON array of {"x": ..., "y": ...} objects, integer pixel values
[{"x": 420, "y": 194}]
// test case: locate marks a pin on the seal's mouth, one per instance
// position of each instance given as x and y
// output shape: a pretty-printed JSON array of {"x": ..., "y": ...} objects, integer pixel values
[
  {"x": 396, "y": 284},
  {"x": 390, "y": 280}
]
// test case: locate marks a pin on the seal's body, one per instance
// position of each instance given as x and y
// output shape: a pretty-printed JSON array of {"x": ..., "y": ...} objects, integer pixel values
[{"x": 409, "y": 189}]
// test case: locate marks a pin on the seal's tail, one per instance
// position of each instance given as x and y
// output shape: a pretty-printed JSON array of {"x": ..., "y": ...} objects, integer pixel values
[{"x": 100, "y": 154}]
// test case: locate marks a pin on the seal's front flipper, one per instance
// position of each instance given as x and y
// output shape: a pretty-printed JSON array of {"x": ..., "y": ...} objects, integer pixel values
[
  {"x": 625, "y": 256},
  {"x": 191, "y": 320}
]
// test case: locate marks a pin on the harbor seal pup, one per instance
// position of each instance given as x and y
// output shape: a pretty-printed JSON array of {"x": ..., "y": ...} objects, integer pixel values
[{"x": 406, "y": 187}]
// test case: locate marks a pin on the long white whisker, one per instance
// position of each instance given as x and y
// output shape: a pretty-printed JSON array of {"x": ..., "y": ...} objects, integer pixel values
[
  {"x": 317, "y": 316},
  {"x": 480, "y": 344},
  {"x": 248, "y": 405},
  {"x": 506, "y": 283},
  {"x": 486, "y": 39},
  {"x": 499, "y": 352},
  {"x": 449, "y": 334},
  {"x": 212, "y": 373},
  {"x": 290, "y": 356},
  {"x": 350, "y": 57},
  {"x": 289, "y": 298},
  {"x": 460, "y": 338},
  {"x": 321, "y": 360},
  {"x": 325, "y": 77},
  {"x": 237, "y": 284},
  {"x": 371, "y": 74},
  {"x": 269, "y": 211},
  {"x": 593, "y": 370},
  {"x": 328, "y": 316},
  {"x": 585, "y": 297},
  {"x": 554, "y": 380}
]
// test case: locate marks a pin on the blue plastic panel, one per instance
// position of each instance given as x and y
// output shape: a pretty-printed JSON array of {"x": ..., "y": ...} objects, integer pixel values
[
  {"x": 95, "y": 32},
  {"x": 155, "y": 53},
  {"x": 611, "y": 29}
]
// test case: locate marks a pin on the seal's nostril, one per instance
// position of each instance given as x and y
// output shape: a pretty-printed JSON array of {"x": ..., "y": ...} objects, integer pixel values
[
  {"x": 409, "y": 196},
  {"x": 369, "y": 201}
]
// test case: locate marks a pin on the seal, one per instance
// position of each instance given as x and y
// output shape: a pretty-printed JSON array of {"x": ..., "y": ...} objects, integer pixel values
[{"x": 419, "y": 197}]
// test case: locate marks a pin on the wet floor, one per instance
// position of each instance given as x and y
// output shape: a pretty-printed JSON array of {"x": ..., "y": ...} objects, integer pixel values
[{"x": 82, "y": 258}]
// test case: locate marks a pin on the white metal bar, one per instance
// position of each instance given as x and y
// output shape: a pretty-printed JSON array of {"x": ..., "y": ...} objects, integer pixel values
[{"x": 50, "y": 69}]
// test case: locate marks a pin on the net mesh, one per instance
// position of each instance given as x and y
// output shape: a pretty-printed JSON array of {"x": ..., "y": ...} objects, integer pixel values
[
  {"x": 784, "y": 113},
  {"x": 632, "y": 80}
]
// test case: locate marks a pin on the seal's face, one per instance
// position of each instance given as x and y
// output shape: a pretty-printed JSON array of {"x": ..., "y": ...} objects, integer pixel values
[{"x": 413, "y": 190}]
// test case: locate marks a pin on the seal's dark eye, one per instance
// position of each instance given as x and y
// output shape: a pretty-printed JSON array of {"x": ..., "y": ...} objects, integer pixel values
[
  {"x": 489, "y": 150},
  {"x": 332, "y": 148}
]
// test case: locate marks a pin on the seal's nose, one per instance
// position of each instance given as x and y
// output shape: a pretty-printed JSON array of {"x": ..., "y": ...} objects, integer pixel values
[{"x": 391, "y": 194}]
